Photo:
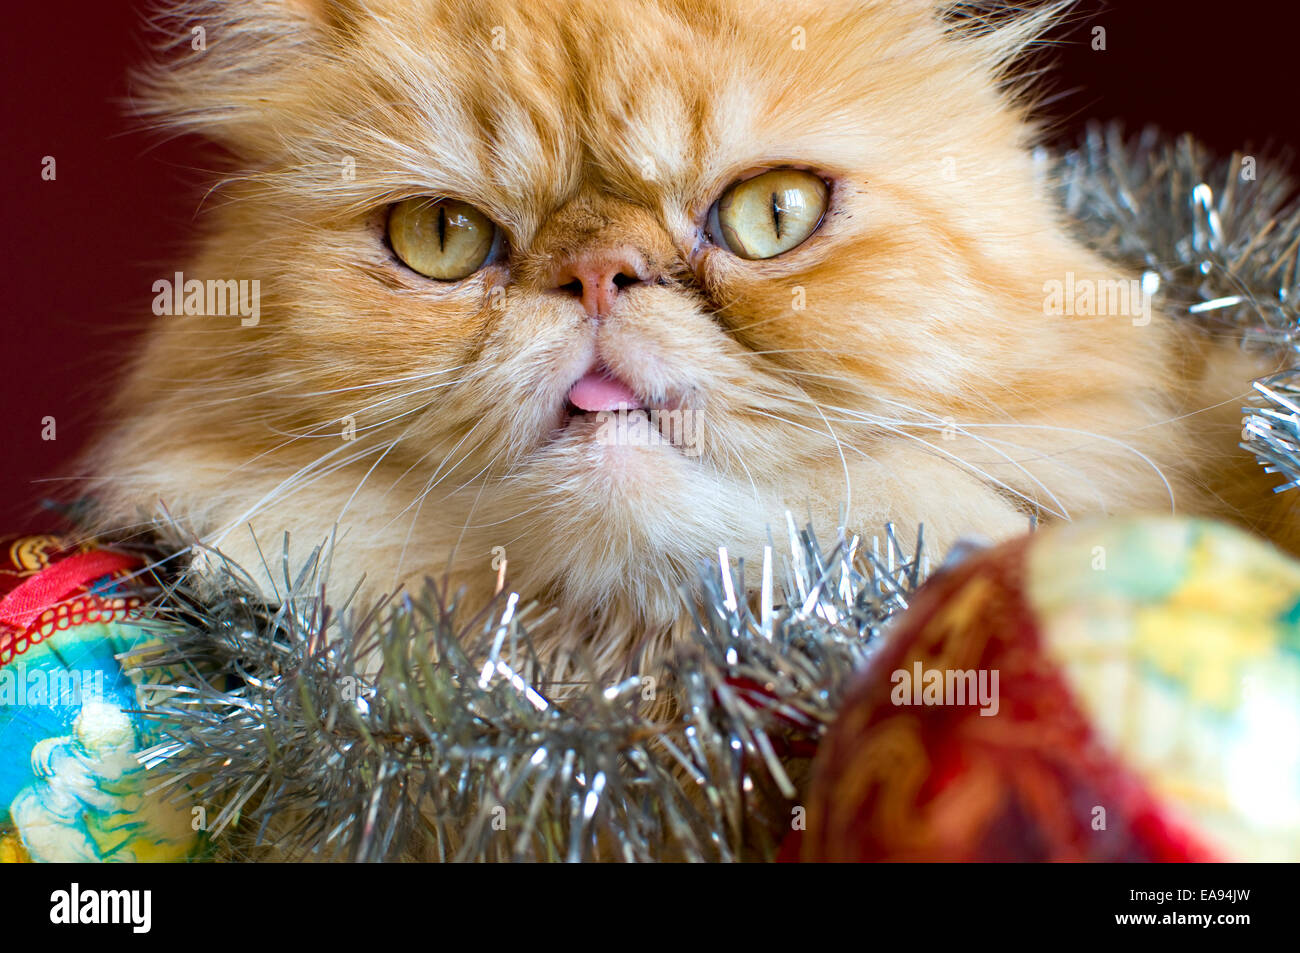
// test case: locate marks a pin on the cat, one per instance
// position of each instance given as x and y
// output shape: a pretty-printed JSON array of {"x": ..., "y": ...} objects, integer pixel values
[{"x": 594, "y": 287}]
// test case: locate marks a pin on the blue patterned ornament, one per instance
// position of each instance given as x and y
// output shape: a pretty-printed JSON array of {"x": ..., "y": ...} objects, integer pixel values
[{"x": 71, "y": 785}]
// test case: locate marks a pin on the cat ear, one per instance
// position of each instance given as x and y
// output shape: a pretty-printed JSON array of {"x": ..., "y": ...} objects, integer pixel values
[
  {"x": 219, "y": 63},
  {"x": 999, "y": 30}
]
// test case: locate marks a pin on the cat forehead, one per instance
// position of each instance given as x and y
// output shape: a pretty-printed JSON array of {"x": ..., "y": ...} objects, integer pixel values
[
  {"x": 605, "y": 71},
  {"x": 661, "y": 91},
  {"x": 515, "y": 105}
]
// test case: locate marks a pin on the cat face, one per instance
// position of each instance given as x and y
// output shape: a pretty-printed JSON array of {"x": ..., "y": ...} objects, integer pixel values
[{"x": 802, "y": 243}]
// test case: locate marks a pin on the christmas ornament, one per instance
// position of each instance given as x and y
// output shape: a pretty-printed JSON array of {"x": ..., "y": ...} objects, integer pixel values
[
  {"x": 1120, "y": 691},
  {"x": 71, "y": 787}
]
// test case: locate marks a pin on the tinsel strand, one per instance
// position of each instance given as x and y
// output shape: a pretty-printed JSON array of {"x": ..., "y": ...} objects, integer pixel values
[{"x": 455, "y": 750}]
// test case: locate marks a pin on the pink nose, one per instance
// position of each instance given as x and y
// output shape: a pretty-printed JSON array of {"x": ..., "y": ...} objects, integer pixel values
[{"x": 597, "y": 277}]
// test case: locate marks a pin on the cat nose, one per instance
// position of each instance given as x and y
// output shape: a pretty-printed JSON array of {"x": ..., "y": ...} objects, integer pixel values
[{"x": 597, "y": 277}]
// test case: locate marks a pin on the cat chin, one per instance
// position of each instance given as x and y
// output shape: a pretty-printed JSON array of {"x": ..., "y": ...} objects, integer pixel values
[
  {"x": 638, "y": 498},
  {"x": 616, "y": 528}
]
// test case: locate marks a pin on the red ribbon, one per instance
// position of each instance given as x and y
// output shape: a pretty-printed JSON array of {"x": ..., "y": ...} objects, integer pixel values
[{"x": 24, "y": 605}]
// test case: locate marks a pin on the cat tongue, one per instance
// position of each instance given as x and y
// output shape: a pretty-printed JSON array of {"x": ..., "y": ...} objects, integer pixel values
[{"x": 597, "y": 391}]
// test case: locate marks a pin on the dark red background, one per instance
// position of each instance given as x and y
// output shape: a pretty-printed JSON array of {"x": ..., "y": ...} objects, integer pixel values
[{"x": 84, "y": 249}]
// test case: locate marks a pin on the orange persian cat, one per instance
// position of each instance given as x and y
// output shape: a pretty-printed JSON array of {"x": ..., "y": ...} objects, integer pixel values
[{"x": 596, "y": 286}]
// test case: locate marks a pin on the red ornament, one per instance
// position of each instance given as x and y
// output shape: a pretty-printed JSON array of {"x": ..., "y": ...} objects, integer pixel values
[{"x": 1012, "y": 774}]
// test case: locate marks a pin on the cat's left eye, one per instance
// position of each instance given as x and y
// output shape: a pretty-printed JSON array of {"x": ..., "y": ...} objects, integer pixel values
[
  {"x": 441, "y": 238},
  {"x": 769, "y": 214}
]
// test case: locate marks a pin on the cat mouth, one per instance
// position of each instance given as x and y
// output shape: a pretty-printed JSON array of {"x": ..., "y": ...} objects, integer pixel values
[
  {"x": 603, "y": 407},
  {"x": 600, "y": 391}
]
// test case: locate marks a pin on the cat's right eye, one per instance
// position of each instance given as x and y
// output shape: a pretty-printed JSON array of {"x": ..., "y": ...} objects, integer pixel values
[{"x": 443, "y": 239}]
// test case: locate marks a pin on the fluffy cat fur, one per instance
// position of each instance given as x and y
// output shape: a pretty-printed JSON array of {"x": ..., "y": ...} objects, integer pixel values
[{"x": 922, "y": 381}]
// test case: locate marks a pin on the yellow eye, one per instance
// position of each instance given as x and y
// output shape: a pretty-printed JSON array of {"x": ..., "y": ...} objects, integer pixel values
[
  {"x": 441, "y": 238},
  {"x": 769, "y": 214}
]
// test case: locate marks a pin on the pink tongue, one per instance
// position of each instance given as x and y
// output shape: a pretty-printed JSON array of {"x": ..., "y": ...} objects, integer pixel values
[{"x": 596, "y": 392}]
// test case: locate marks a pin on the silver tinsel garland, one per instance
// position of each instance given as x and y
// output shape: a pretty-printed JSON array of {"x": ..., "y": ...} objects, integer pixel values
[
  {"x": 1217, "y": 240},
  {"x": 270, "y": 718},
  {"x": 271, "y": 722}
]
